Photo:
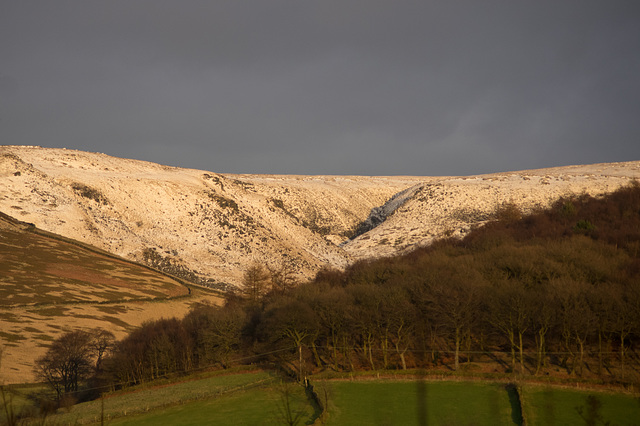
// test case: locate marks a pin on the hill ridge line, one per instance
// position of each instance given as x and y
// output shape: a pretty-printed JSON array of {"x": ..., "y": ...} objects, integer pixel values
[{"x": 208, "y": 227}]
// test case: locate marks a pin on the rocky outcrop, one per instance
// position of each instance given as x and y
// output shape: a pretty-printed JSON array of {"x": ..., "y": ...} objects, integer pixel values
[{"x": 209, "y": 227}]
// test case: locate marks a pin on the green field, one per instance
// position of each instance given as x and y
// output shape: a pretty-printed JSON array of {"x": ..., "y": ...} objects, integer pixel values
[
  {"x": 549, "y": 406},
  {"x": 258, "y": 398},
  {"x": 420, "y": 403},
  {"x": 153, "y": 400},
  {"x": 253, "y": 407}
]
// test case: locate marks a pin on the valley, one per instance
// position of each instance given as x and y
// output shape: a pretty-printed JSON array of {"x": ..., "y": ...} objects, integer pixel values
[{"x": 81, "y": 218}]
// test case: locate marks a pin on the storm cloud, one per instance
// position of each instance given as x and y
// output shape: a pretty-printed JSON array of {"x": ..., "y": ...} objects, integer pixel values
[{"x": 326, "y": 87}]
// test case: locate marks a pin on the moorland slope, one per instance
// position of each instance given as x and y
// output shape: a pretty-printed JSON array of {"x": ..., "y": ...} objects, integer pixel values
[
  {"x": 50, "y": 285},
  {"x": 208, "y": 227}
]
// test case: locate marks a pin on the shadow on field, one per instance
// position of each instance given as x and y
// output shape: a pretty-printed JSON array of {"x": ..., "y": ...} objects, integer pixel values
[
  {"x": 514, "y": 401},
  {"x": 421, "y": 393}
]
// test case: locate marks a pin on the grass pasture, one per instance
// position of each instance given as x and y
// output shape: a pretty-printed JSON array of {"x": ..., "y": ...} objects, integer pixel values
[
  {"x": 418, "y": 402},
  {"x": 246, "y": 398},
  {"x": 256, "y": 398},
  {"x": 553, "y": 406},
  {"x": 260, "y": 406}
]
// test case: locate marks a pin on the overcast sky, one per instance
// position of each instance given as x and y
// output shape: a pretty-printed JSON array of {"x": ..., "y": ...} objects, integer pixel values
[{"x": 326, "y": 87}]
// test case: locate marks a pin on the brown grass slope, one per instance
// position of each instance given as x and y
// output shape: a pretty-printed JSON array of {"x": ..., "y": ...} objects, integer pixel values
[{"x": 50, "y": 284}]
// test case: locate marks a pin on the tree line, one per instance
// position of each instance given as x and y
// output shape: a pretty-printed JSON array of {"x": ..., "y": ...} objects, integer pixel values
[{"x": 556, "y": 291}]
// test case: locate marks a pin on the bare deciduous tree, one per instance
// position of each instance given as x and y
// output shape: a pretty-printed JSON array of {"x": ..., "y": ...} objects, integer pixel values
[
  {"x": 283, "y": 276},
  {"x": 255, "y": 282},
  {"x": 102, "y": 341},
  {"x": 73, "y": 357},
  {"x": 67, "y": 362}
]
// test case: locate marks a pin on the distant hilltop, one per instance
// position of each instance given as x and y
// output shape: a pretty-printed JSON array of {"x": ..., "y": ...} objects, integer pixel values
[{"x": 208, "y": 227}]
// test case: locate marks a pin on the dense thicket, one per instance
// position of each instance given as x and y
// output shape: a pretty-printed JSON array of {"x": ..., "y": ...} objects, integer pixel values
[{"x": 554, "y": 291}]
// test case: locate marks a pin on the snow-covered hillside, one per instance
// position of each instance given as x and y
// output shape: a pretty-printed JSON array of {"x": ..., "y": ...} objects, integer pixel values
[{"x": 210, "y": 227}]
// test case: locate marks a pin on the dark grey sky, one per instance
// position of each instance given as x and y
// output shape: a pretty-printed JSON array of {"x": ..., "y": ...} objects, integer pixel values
[{"x": 326, "y": 87}]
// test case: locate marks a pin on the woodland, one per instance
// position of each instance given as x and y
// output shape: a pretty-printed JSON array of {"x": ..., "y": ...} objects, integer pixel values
[{"x": 553, "y": 293}]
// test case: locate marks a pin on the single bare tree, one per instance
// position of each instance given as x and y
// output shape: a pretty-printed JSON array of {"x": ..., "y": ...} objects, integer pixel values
[
  {"x": 67, "y": 362},
  {"x": 102, "y": 341},
  {"x": 255, "y": 282}
]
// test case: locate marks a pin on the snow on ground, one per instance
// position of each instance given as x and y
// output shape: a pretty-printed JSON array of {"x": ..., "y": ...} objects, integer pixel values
[{"x": 215, "y": 225}]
